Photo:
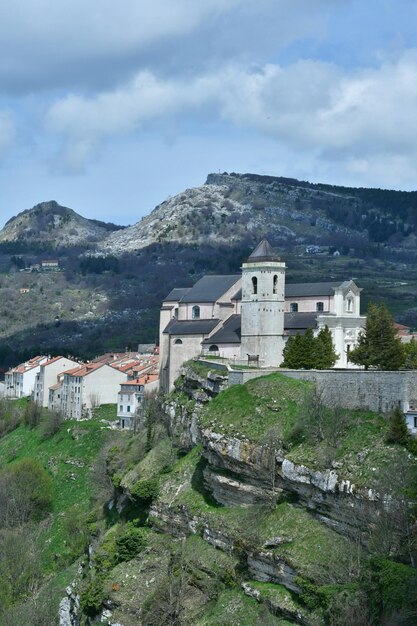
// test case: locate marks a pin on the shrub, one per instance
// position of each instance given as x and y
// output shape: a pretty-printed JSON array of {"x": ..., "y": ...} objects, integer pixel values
[
  {"x": 52, "y": 424},
  {"x": 397, "y": 428},
  {"x": 32, "y": 415},
  {"x": 35, "y": 486},
  {"x": 91, "y": 599},
  {"x": 145, "y": 490},
  {"x": 130, "y": 543}
]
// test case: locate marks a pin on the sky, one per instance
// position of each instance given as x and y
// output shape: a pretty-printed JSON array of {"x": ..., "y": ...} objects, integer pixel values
[{"x": 109, "y": 108}]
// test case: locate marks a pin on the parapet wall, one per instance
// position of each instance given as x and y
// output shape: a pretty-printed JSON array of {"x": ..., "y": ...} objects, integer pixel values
[{"x": 354, "y": 389}]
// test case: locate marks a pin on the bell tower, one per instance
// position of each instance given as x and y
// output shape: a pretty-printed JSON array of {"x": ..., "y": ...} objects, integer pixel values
[{"x": 263, "y": 286}]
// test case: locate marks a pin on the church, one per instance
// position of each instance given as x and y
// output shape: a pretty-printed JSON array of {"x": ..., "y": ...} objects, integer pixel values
[{"x": 247, "y": 318}]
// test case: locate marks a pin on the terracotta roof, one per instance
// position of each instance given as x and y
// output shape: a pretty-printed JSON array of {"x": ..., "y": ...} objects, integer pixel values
[
  {"x": 53, "y": 360},
  {"x": 84, "y": 370},
  {"x": 143, "y": 380},
  {"x": 55, "y": 387}
]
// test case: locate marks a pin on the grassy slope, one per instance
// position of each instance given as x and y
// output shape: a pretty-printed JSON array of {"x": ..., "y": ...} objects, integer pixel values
[
  {"x": 276, "y": 401},
  {"x": 76, "y": 441}
]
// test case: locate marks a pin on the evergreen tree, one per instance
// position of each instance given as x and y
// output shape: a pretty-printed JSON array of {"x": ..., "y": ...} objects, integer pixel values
[
  {"x": 410, "y": 351},
  {"x": 308, "y": 352},
  {"x": 397, "y": 428},
  {"x": 325, "y": 355},
  {"x": 378, "y": 344},
  {"x": 298, "y": 352}
]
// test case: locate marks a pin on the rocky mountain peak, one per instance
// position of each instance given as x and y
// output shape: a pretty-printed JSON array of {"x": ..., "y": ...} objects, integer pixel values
[{"x": 49, "y": 222}]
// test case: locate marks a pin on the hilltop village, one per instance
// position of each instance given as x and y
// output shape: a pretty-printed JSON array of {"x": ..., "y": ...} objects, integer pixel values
[{"x": 241, "y": 320}]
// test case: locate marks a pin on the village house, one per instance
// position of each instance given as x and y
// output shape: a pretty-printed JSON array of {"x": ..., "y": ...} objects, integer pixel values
[
  {"x": 50, "y": 265},
  {"x": 86, "y": 387},
  {"x": 20, "y": 380},
  {"x": 250, "y": 316},
  {"x": 130, "y": 399},
  {"x": 48, "y": 376}
]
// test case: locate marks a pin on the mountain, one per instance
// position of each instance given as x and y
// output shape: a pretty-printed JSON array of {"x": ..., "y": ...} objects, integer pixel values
[
  {"x": 112, "y": 279},
  {"x": 53, "y": 225},
  {"x": 232, "y": 207}
]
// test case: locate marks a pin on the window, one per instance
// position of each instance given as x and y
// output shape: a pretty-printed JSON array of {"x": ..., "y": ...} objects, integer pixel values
[
  {"x": 128, "y": 409},
  {"x": 319, "y": 306},
  {"x": 415, "y": 421},
  {"x": 178, "y": 342},
  {"x": 121, "y": 408},
  {"x": 294, "y": 307},
  {"x": 195, "y": 312},
  {"x": 275, "y": 284},
  {"x": 349, "y": 305},
  {"x": 254, "y": 284},
  {"x": 214, "y": 348}
]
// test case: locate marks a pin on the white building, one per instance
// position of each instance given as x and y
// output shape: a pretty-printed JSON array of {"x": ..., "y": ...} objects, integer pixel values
[
  {"x": 252, "y": 317},
  {"x": 87, "y": 387},
  {"x": 130, "y": 398},
  {"x": 20, "y": 380},
  {"x": 48, "y": 376}
]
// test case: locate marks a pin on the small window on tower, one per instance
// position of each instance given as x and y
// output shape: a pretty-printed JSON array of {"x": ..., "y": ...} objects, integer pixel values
[
  {"x": 275, "y": 284},
  {"x": 254, "y": 284},
  {"x": 294, "y": 307},
  {"x": 319, "y": 306},
  {"x": 196, "y": 312}
]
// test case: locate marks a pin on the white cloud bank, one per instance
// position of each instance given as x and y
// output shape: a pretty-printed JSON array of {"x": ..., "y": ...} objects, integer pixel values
[{"x": 364, "y": 118}]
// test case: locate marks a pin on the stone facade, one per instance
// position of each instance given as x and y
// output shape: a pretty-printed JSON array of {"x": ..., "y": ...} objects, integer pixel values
[{"x": 250, "y": 316}]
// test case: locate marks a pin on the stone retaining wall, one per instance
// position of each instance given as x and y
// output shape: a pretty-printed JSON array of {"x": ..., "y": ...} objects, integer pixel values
[{"x": 354, "y": 389}]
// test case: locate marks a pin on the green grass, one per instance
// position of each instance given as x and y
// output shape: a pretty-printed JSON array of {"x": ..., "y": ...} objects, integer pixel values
[
  {"x": 106, "y": 412},
  {"x": 76, "y": 441},
  {"x": 234, "y": 608},
  {"x": 257, "y": 406}
]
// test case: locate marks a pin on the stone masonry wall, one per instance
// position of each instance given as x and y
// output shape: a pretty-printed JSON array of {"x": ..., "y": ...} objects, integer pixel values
[{"x": 354, "y": 389}]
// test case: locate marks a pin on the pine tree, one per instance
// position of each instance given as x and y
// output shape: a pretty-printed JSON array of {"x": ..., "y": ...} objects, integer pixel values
[
  {"x": 302, "y": 351},
  {"x": 410, "y": 351},
  {"x": 378, "y": 345},
  {"x": 397, "y": 428},
  {"x": 325, "y": 355}
]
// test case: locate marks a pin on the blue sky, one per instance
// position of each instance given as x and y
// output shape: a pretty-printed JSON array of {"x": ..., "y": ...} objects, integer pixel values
[{"x": 109, "y": 108}]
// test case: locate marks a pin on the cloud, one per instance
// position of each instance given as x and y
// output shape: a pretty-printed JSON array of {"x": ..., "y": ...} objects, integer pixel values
[
  {"x": 77, "y": 45},
  {"x": 7, "y": 133},
  {"x": 349, "y": 116}
]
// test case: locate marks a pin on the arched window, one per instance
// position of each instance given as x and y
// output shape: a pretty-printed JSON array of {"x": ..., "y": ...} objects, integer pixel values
[
  {"x": 195, "y": 312},
  {"x": 294, "y": 307},
  {"x": 254, "y": 284},
  {"x": 178, "y": 342},
  {"x": 349, "y": 305},
  {"x": 275, "y": 284},
  {"x": 214, "y": 348},
  {"x": 319, "y": 306}
]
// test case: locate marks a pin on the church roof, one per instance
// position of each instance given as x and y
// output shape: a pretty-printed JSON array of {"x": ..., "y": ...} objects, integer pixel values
[
  {"x": 228, "y": 333},
  {"x": 297, "y": 322},
  {"x": 210, "y": 288},
  {"x": 310, "y": 289},
  {"x": 176, "y": 294},
  {"x": 293, "y": 323},
  {"x": 190, "y": 327},
  {"x": 263, "y": 252}
]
